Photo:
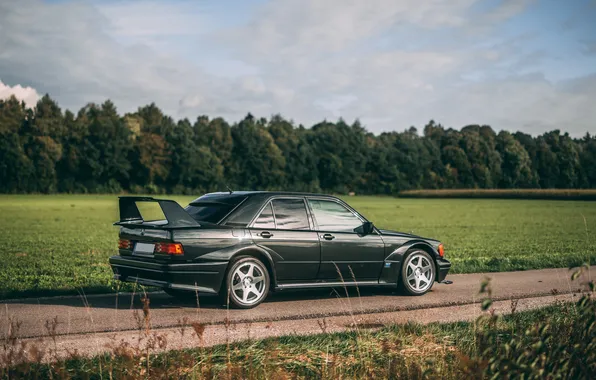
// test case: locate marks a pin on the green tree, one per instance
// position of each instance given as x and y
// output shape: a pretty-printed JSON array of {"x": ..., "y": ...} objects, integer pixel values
[
  {"x": 16, "y": 169},
  {"x": 516, "y": 167},
  {"x": 43, "y": 132},
  {"x": 195, "y": 168},
  {"x": 104, "y": 163},
  {"x": 567, "y": 159},
  {"x": 215, "y": 134},
  {"x": 45, "y": 150},
  {"x": 257, "y": 163},
  {"x": 301, "y": 162},
  {"x": 341, "y": 152},
  {"x": 68, "y": 168},
  {"x": 587, "y": 158}
]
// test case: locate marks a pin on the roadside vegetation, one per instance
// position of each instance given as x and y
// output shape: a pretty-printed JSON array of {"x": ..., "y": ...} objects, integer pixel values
[
  {"x": 60, "y": 244},
  {"x": 96, "y": 149},
  {"x": 558, "y": 341}
]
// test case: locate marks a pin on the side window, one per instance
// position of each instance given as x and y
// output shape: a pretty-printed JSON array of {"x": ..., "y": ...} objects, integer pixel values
[
  {"x": 332, "y": 216},
  {"x": 290, "y": 214},
  {"x": 265, "y": 220}
]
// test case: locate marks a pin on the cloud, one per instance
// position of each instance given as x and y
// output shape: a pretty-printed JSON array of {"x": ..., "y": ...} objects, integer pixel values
[
  {"x": 505, "y": 10},
  {"x": 524, "y": 102},
  {"x": 460, "y": 71},
  {"x": 590, "y": 47},
  {"x": 153, "y": 18},
  {"x": 66, "y": 49},
  {"x": 391, "y": 63},
  {"x": 27, "y": 94},
  {"x": 303, "y": 28}
]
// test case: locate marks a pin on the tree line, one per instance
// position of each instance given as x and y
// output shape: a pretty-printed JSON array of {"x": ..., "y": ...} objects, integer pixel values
[{"x": 46, "y": 150}]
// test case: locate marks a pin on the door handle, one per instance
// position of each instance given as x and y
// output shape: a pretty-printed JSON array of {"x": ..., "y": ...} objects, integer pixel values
[
  {"x": 266, "y": 234},
  {"x": 328, "y": 237}
]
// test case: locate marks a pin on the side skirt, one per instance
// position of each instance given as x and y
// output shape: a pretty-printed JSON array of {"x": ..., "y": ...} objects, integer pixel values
[
  {"x": 337, "y": 284},
  {"x": 163, "y": 284}
]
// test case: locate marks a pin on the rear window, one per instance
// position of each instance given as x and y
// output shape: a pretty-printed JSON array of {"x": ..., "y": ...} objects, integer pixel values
[
  {"x": 243, "y": 215},
  {"x": 208, "y": 212}
]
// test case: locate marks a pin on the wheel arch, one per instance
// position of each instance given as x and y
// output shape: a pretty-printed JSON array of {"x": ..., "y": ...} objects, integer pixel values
[
  {"x": 260, "y": 254},
  {"x": 400, "y": 253}
]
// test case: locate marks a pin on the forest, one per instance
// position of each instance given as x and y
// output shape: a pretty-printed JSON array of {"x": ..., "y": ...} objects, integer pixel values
[{"x": 45, "y": 149}]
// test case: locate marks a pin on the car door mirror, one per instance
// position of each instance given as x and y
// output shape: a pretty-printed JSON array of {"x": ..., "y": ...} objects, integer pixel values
[{"x": 366, "y": 228}]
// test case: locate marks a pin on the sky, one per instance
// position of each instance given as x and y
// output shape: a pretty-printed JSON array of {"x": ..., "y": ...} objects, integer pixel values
[{"x": 521, "y": 65}]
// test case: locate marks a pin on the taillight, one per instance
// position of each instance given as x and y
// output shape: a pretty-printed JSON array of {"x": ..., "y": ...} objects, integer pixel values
[
  {"x": 169, "y": 248},
  {"x": 124, "y": 244},
  {"x": 441, "y": 250}
]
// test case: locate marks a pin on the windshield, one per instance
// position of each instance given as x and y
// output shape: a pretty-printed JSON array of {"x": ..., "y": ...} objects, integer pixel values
[{"x": 208, "y": 212}]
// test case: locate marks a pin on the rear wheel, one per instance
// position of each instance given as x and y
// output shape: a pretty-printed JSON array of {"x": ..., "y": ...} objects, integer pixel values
[
  {"x": 417, "y": 273},
  {"x": 247, "y": 283}
]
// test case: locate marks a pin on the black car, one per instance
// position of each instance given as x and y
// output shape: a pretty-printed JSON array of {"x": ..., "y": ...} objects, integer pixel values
[{"x": 242, "y": 244}]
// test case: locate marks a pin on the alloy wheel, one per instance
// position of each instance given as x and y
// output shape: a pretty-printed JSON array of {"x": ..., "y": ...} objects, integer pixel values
[
  {"x": 248, "y": 283},
  {"x": 419, "y": 274}
]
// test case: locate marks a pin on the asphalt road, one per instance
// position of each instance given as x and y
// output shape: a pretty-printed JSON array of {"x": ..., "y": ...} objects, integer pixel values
[{"x": 78, "y": 315}]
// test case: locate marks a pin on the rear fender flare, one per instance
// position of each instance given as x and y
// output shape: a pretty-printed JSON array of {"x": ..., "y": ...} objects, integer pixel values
[{"x": 267, "y": 256}]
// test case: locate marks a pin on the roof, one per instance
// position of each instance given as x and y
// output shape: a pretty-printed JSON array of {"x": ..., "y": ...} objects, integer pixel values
[
  {"x": 255, "y": 192},
  {"x": 237, "y": 196}
]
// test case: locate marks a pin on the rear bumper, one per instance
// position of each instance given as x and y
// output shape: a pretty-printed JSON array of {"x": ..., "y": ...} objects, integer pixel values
[
  {"x": 443, "y": 266},
  {"x": 201, "y": 277}
]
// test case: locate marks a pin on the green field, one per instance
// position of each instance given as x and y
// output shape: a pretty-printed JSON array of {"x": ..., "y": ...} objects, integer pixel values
[{"x": 61, "y": 243}]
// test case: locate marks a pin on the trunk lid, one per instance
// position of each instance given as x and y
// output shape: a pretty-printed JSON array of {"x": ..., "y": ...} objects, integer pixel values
[{"x": 138, "y": 237}]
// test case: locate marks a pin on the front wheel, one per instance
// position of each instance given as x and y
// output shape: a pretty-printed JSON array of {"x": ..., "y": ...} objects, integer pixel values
[
  {"x": 417, "y": 273},
  {"x": 247, "y": 283}
]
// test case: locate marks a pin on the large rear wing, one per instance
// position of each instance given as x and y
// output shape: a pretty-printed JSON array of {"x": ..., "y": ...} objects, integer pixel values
[{"x": 175, "y": 215}]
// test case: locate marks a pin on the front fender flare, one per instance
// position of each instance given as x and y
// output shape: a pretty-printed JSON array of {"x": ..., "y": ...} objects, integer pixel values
[
  {"x": 393, "y": 262},
  {"x": 398, "y": 254}
]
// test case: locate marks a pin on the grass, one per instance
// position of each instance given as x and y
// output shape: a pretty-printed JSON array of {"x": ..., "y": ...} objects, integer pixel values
[{"x": 60, "y": 244}]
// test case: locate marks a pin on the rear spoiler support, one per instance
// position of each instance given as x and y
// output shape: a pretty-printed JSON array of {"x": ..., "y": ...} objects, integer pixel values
[{"x": 176, "y": 216}]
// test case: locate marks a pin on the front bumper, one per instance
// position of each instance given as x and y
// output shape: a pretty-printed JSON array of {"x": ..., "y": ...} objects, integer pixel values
[
  {"x": 443, "y": 266},
  {"x": 201, "y": 277}
]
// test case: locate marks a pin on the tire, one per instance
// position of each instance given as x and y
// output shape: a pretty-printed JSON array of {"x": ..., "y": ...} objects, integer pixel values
[
  {"x": 418, "y": 273},
  {"x": 246, "y": 283}
]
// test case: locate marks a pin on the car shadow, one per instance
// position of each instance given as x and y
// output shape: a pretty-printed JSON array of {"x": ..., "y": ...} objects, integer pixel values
[{"x": 160, "y": 300}]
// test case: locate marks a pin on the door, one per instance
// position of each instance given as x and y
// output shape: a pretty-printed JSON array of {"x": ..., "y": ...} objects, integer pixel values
[
  {"x": 284, "y": 227},
  {"x": 343, "y": 250}
]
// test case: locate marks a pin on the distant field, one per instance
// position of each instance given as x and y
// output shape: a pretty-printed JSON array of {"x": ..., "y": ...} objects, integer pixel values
[
  {"x": 552, "y": 194},
  {"x": 61, "y": 244}
]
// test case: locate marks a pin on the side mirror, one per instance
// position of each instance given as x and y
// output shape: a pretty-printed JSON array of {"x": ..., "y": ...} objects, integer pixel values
[{"x": 368, "y": 228}]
